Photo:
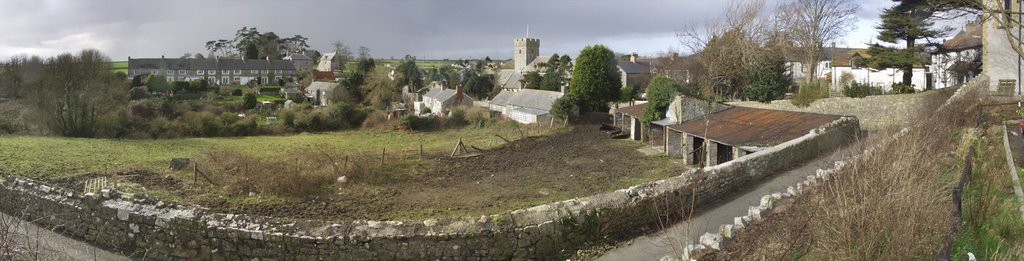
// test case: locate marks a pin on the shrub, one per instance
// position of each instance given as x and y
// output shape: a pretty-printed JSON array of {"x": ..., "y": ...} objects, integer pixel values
[
  {"x": 345, "y": 116},
  {"x": 425, "y": 110},
  {"x": 456, "y": 118},
  {"x": 809, "y": 92},
  {"x": 249, "y": 101},
  {"x": 898, "y": 88},
  {"x": 421, "y": 123},
  {"x": 138, "y": 93},
  {"x": 379, "y": 120},
  {"x": 198, "y": 85},
  {"x": 859, "y": 90},
  {"x": 179, "y": 86},
  {"x": 478, "y": 115},
  {"x": 236, "y": 92},
  {"x": 565, "y": 108}
]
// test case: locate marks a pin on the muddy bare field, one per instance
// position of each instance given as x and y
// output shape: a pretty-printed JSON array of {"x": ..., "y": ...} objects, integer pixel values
[{"x": 532, "y": 171}]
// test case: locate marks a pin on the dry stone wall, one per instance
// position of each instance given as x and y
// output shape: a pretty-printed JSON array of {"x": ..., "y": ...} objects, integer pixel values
[{"x": 145, "y": 228}]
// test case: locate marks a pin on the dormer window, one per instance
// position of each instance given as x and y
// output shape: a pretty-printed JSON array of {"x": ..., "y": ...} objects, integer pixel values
[
  {"x": 170, "y": 72},
  {"x": 182, "y": 72}
]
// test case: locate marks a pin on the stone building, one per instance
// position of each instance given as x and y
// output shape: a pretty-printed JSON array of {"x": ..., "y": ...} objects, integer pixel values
[
  {"x": 526, "y": 51},
  {"x": 302, "y": 62},
  {"x": 635, "y": 73},
  {"x": 737, "y": 131},
  {"x": 329, "y": 62},
  {"x": 217, "y": 71}
]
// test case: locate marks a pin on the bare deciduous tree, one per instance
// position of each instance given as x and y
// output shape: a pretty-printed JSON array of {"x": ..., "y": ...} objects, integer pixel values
[
  {"x": 725, "y": 44},
  {"x": 808, "y": 24}
]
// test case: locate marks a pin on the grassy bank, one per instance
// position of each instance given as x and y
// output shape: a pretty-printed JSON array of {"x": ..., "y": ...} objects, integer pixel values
[{"x": 992, "y": 228}]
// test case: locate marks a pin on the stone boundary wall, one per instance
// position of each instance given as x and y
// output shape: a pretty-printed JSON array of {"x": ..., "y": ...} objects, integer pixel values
[
  {"x": 715, "y": 241},
  {"x": 150, "y": 229}
]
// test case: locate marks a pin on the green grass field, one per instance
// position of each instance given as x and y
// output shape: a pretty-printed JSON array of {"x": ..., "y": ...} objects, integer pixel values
[
  {"x": 120, "y": 66},
  {"x": 57, "y": 157}
]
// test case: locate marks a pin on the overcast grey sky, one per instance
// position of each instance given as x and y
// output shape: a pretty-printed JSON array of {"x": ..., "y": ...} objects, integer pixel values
[{"x": 390, "y": 28}]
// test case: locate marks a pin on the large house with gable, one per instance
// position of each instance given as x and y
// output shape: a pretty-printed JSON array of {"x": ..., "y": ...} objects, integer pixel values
[{"x": 217, "y": 71}]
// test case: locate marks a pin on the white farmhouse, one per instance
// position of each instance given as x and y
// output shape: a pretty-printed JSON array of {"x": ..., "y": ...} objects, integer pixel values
[
  {"x": 439, "y": 100},
  {"x": 840, "y": 65},
  {"x": 525, "y": 105},
  {"x": 958, "y": 59}
]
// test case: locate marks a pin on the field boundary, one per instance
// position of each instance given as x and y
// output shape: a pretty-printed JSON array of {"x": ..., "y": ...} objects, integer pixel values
[{"x": 141, "y": 227}]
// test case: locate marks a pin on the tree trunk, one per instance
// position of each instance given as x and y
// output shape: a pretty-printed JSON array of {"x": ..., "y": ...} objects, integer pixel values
[{"x": 908, "y": 70}]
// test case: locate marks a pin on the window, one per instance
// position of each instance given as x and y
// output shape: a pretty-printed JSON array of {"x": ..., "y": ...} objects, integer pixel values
[
  {"x": 225, "y": 71},
  {"x": 225, "y": 80},
  {"x": 264, "y": 80},
  {"x": 170, "y": 78},
  {"x": 239, "y": 71},
  {"x": 170, "y": 72},
  {"x": 277, "y": 72},
  {"x": 211, "y": 72},
  {"x": 181, "y": 72},
  {"x": 200, "y": 72},
  {"x": 238, "y": 80},
  {"x": 266, "y": 71},
  {"x": 255, "y": 71}
]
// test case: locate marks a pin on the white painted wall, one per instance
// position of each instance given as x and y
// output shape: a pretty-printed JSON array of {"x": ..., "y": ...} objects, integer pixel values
[{"x": 999, "y": 61}]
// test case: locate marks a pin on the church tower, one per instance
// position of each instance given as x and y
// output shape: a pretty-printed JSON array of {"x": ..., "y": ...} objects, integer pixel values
[{"x": 527, "y": 49}]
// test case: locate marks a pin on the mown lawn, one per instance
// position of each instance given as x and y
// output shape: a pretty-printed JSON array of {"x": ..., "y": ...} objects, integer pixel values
[{"x": 59, "y": 157}]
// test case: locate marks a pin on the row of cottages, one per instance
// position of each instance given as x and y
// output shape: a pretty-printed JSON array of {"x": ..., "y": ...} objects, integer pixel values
[
  {"x": 706, "y": 133},
  {"x": 843, "y": 65},
  {"x": 525, "y": 106},
  {"x": 217, "y": 71},
  {"x": 958, "y": 59},
  {"x": 439, "y": 100}
]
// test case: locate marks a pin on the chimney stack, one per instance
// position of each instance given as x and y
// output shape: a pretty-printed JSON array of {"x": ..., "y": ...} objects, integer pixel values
[
  {"x": 632, "y": 58},
  {"x": 672, "y": 56}
]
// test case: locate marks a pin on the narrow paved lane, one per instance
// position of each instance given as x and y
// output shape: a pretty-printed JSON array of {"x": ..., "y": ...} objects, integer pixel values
[
  {"x": 38, "y": 243},
  {"x": 671, "y": 241}
]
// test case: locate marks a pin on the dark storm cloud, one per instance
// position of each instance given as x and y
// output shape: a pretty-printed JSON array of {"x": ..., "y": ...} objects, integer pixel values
[{"x": 434, "y": 29}]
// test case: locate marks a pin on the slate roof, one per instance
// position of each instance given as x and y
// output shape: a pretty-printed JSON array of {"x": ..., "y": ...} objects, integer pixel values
[
  {"x": 321, "y": 86},
  {"x": 968, "y": 38},
  {"x": 502, "y": 98},
  {"x": 440, "y": 94},
  {"x": 635, "y": 111},
  {"x": 209, "y": 64},
  {"x": 635, "y": 68},
  {"x": 298, "y": 57},
  {"x": 510, "y": 79},
  {"x": 534, "y": 99},
  {"x": 741, "y": 126}
]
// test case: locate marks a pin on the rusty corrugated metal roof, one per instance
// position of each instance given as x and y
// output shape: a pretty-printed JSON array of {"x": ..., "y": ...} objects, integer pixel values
[
  {"x": 635, "y": 110},
  {"x": 740, "y": 126}
]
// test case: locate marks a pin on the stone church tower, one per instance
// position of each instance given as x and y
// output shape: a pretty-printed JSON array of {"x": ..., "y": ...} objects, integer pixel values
[{"x": 527, "y": 49}]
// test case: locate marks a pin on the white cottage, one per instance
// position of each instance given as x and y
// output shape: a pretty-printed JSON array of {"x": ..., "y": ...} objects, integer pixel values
[
  {"x": 525, "y": 105},
  {"x": 439, "y": 100}
]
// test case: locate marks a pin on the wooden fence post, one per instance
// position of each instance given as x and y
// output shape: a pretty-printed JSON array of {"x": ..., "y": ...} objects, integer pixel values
[
  {"x": 421, "y": 151},
  {"x": 383, "y": 155}
]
